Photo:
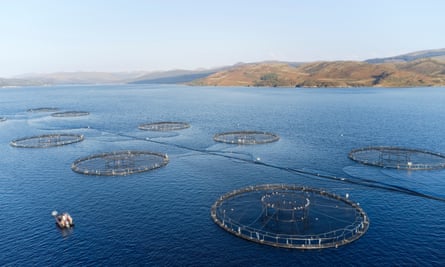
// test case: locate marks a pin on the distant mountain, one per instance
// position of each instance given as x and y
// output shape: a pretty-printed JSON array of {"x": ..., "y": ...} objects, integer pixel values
[
  {"x": 173, "y": 76},
  {"x": 82, "y": 77},
  {"x": 18, "y": 82},
  {"x": 438, "y": 54},
  {"x": 141, "y": 77}
]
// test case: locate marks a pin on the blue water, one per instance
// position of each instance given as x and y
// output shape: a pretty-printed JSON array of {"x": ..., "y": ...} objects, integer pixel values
[{"x": 162, "y": 217}]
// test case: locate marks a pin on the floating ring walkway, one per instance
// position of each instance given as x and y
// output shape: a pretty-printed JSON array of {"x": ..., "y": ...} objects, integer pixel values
[
  {"x": 246, "y": 137},
  {"x": 290, "y": 216},
  {"x": 47, "y": 140},
  {"x": 119, "y": 163},
  {"x": 44, "y": 109},
  {"x": 70, "y": 114},
  {"x": 398, "y": 158},
  {"x": 164, "y": 126}
]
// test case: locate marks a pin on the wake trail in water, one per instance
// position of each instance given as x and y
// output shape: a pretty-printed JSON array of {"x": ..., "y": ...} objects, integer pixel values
[{"x": 231, "y": 155}]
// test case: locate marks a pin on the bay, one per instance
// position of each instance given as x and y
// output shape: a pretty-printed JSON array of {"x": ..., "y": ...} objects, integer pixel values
[{"x": 162, "y": 217}]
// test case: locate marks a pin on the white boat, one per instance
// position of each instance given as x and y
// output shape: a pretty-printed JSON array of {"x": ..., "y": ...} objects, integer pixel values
[{"x": 63, "y": 220}]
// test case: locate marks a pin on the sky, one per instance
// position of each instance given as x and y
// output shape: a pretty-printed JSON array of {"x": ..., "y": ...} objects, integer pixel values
[{"x": 44, "y": 36}]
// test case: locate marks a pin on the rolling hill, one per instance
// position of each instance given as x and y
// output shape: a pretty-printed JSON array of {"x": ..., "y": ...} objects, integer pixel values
[
  {"x": 421, "y": 72},
  {"x": 437, "y": 54}
]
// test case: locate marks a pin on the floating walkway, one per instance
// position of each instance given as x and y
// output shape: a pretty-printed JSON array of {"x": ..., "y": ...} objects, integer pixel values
[
  {"x": 119, "y": 163},
  {"x": 164, "y": 126},
  {"x": 398, "y": 158},
  {"x": 47, "y": 140},
  {"x": 327, "y": 220},
  {"x": 246, "y": 137}
]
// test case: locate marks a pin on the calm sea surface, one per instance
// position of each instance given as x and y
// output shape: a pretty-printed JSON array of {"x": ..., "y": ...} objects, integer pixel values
[{"x": 162, "y": 217}]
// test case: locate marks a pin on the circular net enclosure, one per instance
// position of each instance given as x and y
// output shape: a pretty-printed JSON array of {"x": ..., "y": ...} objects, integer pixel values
[
  {"x": 45, "y": 109},
  {"x": 70, "y": 114},
  {"x": 119, "y": 163},
  {"x": 47, "y": 140},
  {"x": 290, "y": 216},
  {"x": 398, "y": 158},
  {"x": 164, "y": 126},
  {"x": 246, "y": 137}
]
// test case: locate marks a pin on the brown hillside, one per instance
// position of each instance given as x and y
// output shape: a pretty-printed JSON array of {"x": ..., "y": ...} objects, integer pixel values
[
  {"x": 262, "y": 74},
  {"x": 423, "y": 72},
  {"x": 428, "y": 67}
]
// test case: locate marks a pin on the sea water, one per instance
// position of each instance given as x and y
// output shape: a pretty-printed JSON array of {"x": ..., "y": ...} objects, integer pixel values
[{"x": 162, "y": 217}]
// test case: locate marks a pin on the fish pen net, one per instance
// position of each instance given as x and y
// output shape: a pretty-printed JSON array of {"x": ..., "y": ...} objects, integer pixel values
[
  {"x": 290, "y": 216},
  {"x": 398, "y": 158},
  {"x": 45, "y": 109},
  {"x": 119, "y": 163},
  {"x": 70, "y": 114},
  {"x": 47, "y": 140},
  {"x": 246, "y": 137},
  {"x": 164, "y": 126}
]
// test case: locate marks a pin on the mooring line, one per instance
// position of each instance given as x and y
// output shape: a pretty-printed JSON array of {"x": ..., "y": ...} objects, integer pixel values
[{"x": 358, "y": 181}]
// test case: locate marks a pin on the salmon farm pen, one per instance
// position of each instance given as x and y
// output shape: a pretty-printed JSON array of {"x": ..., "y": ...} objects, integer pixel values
[
  {"x": 70, "y": 114},
  {"x": 119, "y": 163},
  {"x": 290, "y": 216},
  {"x": 45, "y": 109},
  {"x": 164, "y": 126},
  {"x": 246, "y": 137},
  {"x": 398, "y": 158},
  {"x": 47, "y": 140}
]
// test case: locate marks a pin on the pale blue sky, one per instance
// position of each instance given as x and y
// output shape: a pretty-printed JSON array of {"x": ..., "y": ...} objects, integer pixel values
[{"x": 91, "y": 35}]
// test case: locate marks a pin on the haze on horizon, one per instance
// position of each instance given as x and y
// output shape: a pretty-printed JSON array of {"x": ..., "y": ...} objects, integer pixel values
[{"x": 53, "y": 36}]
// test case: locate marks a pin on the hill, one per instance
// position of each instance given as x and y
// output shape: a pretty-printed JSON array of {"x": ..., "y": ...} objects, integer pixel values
[
  {"x": 137, "y": 77},
  {"x": 82, "y": 77},
  {"x": 438, "y": 54},
  {"x": 173, "y": 76},
  {"x": 18, "y": 82},
  {"x": 422, "y": 72},
  {"x": 260, "y": 74}
]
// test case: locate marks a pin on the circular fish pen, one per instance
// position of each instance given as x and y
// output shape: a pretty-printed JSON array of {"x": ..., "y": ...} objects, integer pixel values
[
  {"x": 44, "y": 109},
  {"x": 246, "y": 137},
  {"x": 70, "y": 114},
  {"x": 164, "y": 126},
  {"x": 290, "y": 216},
  {"x": 398, "y": 158},
  {"x": 47, "y": 140},
  {"x": 119, "y": 163}
]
